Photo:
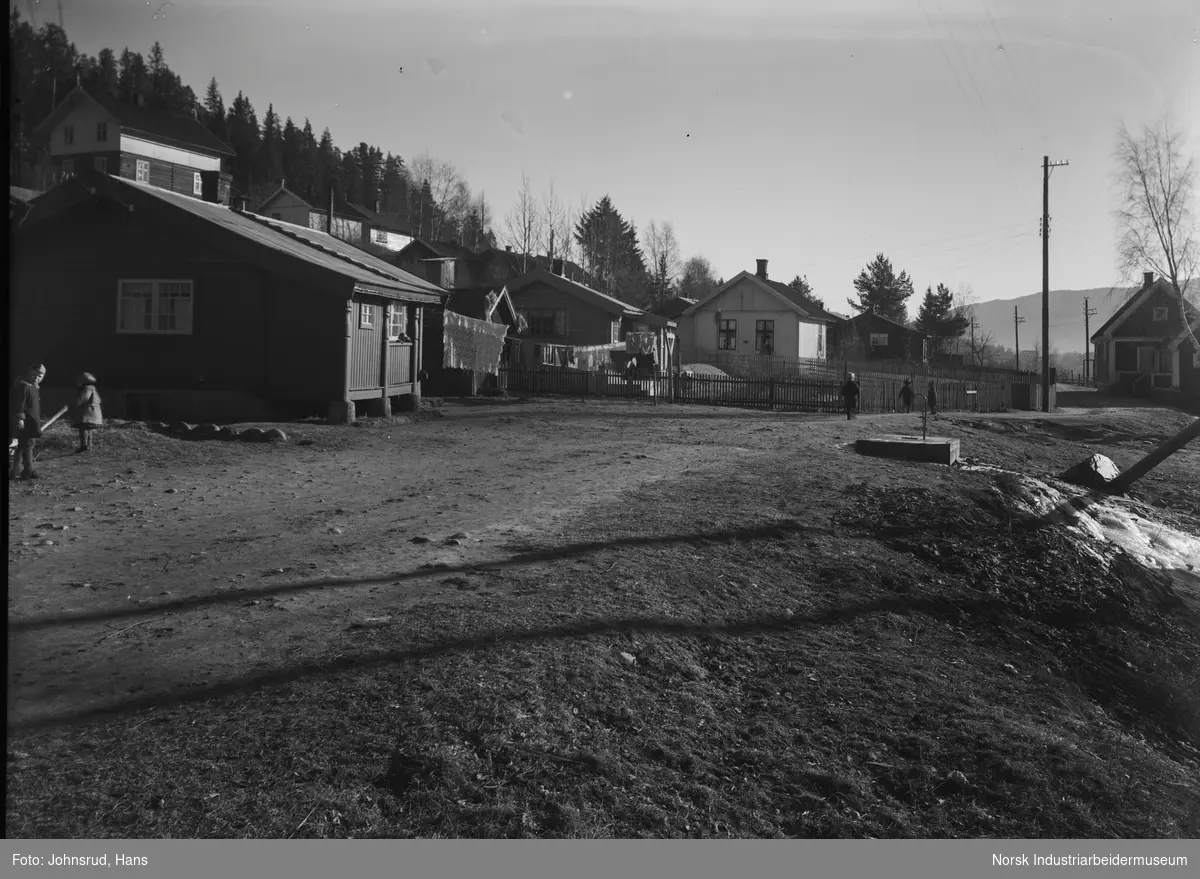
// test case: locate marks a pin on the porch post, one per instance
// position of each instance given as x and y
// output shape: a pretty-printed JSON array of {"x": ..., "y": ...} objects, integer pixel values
[
  {"x": 383, "y": 366},
  {"x": 342, "y": 411},
  {"x": 417, "y": 354}
]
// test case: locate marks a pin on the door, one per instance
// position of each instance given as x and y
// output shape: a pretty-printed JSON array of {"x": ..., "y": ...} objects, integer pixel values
[{"x": 1147, "y": 361}]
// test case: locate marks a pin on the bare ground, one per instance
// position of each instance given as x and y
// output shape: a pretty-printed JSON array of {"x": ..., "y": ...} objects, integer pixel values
[{"x": 592, "y": 619}]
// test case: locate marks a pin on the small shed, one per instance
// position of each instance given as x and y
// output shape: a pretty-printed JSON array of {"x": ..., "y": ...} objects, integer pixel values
[{"x": 186, "y": 309}]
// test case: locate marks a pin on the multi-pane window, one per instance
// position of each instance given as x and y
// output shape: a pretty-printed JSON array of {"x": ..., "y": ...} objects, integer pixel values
[
  {"x": 68, "y": 134},
  {"x": 616, "y": 332},
  {"x": 153, "y": 306},
  {"x": 821, "y": 341},
  {"x": 101, "y": 131},
  {"x": 366, "y": 316},
  {"x": 727, "y": 335},
  {"x": 397, "y": 321},
  {"x": 197, "y": 184},
  {"x": 764, "y": 336},
  {"x": 547, "y": 321},
  {"x": 101, "y": 164},
  {"x": 879, "y": 340},
  {"x": 143, "y": 171}
]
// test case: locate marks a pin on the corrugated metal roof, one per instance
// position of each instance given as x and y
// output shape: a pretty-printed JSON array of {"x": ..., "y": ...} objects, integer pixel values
[{"x": 309, "y": 245}]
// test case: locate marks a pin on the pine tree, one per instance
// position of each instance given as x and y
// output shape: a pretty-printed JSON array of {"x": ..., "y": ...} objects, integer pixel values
[
  {"x": 881, "y": 290},
  {"x": 610, "y": 252},
  {"x": 159, "y": 78},
  {"x": 805, "y": 291},
  {"x": 214, "y": 109},
  {"x": 104, "y": 80},
  {"x": 290, "y": 150},
  {"x": 272, "y": 147},
  {"x": 938, "y": 318}
]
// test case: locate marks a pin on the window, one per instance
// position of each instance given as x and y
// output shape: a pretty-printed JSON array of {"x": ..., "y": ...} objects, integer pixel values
[
  {"x": 143, "y": 171},
  {"x": 68, "y": 134},
  {"x": 366, "y": 316},
  {"x": 547, "y": 321},
  {"x": 101, "y": 131},
  {"x": 397, "y": 321},
  {"x": 68, "y": 167},
  {"x": 379, "y": 236},
  {"x": 145, "y": 306},
  {"x": 616, "y": 332},
  {"x": 764, "y": 336},
  {"x": 879, "y": 340},
  {"x": 821, "y": 341},
  {"x": 197, "y": 184},
  {"x": 549, "y": 355},
  {"x": 101, "y": 164},
  {"x": 1160, "y": 313},
  {"x": 727, "y": 335}
]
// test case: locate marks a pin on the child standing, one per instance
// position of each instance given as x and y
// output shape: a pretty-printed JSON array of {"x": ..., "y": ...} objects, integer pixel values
[{"x": 88, "y": 416}]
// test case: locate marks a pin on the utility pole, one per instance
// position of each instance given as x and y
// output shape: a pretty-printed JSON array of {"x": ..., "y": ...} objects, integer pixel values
[
  {"x": 1046, "y": 166},
  {"x": 1017, "y": 321},
  {"x": 1087, "y": 339}
]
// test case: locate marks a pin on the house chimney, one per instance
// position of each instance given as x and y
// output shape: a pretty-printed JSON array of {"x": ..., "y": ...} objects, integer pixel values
[
  {"x": 762, "y": 269},
  {"x": 508, "y": 248},
  {"x": 556, "y": 266},
  {"x": 1147, "y": 278}
]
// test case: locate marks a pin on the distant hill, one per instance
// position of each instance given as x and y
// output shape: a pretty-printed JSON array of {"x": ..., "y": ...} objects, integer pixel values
[{"x": 1066, "y": 316}]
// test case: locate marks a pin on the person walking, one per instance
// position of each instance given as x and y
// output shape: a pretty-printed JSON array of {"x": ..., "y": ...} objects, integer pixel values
[
  {"x": 850, "y": 392},
  {"x": 931, "y": 398},
  {"x": 906, "y": 396},
  {"x": 87, "y": 412},
  {"x": 25, "y": 420}
]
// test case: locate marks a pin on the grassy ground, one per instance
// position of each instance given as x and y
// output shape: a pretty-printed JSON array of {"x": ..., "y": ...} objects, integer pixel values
[{"x": 588, "y": 620}]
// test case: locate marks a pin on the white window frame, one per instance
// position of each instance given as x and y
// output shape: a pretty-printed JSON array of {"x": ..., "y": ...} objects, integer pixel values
[
  {"x": 616, "y": 331},
  {"x": 379, "y": 236},
  {"x": 197, "y": 184},
  {"x": 69, "y": 133},
  {"x": 100, "y": 163},
  {"x": 157, "y": 298},
  {"x": 101, "y": 132},
  {"x": 1160, "y": 313},
  {"x": 141, "y": 171},
  {"x": 397, "y": 320},
  {"x": 366, "y": 316},
  {"x": 68, "y": 167}
]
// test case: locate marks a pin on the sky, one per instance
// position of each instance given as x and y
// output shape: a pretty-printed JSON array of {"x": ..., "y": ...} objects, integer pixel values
[{"x": 812, "y": 134}]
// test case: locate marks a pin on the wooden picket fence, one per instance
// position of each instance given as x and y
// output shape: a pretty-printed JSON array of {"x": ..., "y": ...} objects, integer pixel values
[{"x": 819, "y": 395}]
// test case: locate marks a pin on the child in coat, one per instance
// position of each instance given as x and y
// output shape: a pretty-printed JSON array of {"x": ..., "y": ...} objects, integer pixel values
[{"x": 86, "y": 410}]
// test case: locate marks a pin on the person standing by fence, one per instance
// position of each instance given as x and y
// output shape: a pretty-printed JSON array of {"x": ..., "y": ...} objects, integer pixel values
[
  {"x": 931, "y": 399},
  {"x": 850, "y": 393},
  {"x": 906, "y": 396},
  {"x": 25, "y": 420}
]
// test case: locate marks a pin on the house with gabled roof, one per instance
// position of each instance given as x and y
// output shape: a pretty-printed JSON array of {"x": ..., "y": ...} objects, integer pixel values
[
  {"x": 91, "y": 133},
  {"x": 195, "y": 311},
  {"x": 338, "y": 217},
  {"x": 1144, "y": 346},
  {"x": 873, "y": 336},
  {"x": 386, "y": 229},
  {"x": 752, "y": 315}
]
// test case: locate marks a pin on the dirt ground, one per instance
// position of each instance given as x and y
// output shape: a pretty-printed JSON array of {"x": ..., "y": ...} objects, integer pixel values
[{"x": 158, "y": 574}]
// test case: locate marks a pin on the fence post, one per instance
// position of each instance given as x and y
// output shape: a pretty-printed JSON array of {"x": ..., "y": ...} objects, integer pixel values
[{"x": 771, "y": 392}]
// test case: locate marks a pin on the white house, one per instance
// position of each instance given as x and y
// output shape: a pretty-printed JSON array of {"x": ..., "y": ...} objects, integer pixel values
[{"x": 753, "y": 315}]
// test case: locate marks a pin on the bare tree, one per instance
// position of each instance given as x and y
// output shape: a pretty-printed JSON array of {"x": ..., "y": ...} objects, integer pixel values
[
  {"x": 444, "y": 179},
  {"x": 554, "y": 222},
  {"x": 1157, "y": 176},
  {"x": 523, "y": 223},
  {"x": 662, "y": 259}
]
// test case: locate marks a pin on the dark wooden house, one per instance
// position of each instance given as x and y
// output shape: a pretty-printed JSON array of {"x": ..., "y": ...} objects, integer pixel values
[
  {"x": 1145, "y": 347},
  {"x": 185, "y": 309},
  {"x": 94, "y": 134},
  {"x": 875, "y": 337}
]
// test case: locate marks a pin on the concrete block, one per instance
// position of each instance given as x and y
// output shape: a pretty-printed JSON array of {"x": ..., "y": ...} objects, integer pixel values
[{"x": 933, "y": 449}]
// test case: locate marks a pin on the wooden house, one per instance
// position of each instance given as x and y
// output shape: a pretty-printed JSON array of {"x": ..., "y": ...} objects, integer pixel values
[
  {"x": 751, "y": 315},
  {"x": 1144, "y": 347},
  {"x": 484, "y": 304},
  {"x": 94, "y": 134},
  {"x": 385, "y": 229},
  {"x": 339, "y": 218},
  {"x": 452, "y": 265},
  {"x": 185, "y": 309},
  {"x": 871, "y": 336}
]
